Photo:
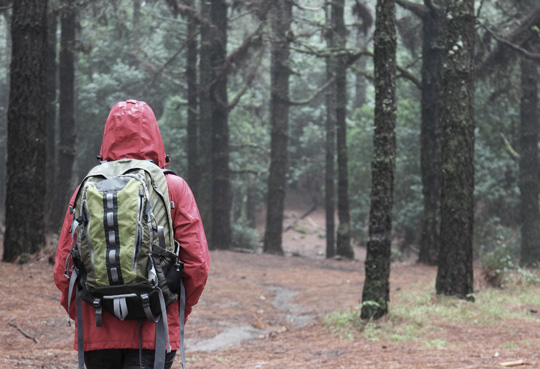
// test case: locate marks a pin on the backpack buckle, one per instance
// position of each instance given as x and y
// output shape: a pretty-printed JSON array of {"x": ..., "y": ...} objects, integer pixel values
[
  {"x": 179, "y": 266},
  {"x": 99, "y": 311}
]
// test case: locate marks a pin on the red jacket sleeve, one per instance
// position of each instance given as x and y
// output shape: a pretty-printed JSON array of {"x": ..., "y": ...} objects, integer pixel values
[
  {"x": 189, "y": 232},
  {"x": 62, "y": 254}
]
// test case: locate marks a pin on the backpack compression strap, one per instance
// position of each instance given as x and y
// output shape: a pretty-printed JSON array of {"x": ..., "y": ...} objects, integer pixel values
[
  {"x": 182, "y": 303},
  {"x": 80, "y": 343},
  {"x": 182, "y": 313}
]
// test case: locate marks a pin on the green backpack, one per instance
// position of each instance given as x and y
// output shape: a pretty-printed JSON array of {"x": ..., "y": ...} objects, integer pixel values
[{"x": 125, "y": 258}]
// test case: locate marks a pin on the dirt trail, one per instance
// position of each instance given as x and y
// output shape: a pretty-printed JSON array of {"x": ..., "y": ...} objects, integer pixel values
[{"x": 263, "y": 311}]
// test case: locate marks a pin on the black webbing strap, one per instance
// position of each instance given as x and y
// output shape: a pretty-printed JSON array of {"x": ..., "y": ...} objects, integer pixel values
[
  {"x": 72, "y": 281},
  {"x": 146, "y": 307},
  {"x": 182, "y": 314},
  {"x": 99, "y": 312},
  {"x": 159, "y": 353},
  {"x": 80, "y": 343},
  {"x": 162, "y": 335}
]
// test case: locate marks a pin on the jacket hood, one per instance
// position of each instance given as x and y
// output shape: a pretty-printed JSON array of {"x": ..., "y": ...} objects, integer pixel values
[{"x": 131, "y": 131}]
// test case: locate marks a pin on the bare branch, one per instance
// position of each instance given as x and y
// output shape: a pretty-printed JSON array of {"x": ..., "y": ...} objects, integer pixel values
[
  {"x": 315, "y": 94},
  {"x": 248, "y": 171},
  {"x": 509, "y": 149},
  {"x": 350, "y": 59},
  {"x": 301, "y": 7},
  {"x": 419, "y": 10},
  {"x": 519, "y": 49},
  {"x": 247, "y": 82},
  {"x": 431, "y": 5},
  {"x": 153, "y": 69},
  {"x": 404, "y": 72},
  {"x": 514, "y": 40},
  {"x": 310, "y": 210},
  {"x": 162, "y": 68}
]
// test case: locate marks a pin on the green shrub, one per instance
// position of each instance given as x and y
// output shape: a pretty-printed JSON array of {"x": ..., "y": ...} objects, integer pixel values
[
  {"x": 496, "y": 266},
  {"x": 244, "y": 236}
]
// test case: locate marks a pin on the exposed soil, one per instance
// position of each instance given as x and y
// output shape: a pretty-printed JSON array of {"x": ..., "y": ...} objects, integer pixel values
[{"x": 263, "y": 311}]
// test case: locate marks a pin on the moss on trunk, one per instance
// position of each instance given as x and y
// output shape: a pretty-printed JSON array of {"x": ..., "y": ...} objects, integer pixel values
[
  {"x": 455, "y": 270},
  {"x": 376, "y": 293}
]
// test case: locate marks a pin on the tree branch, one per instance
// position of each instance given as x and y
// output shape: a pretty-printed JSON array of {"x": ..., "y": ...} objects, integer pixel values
[
  {"x": 22, "y": 332},
  {"x": 301, "y": 7},
  {"x": 404, "y": 73},
  {"x": 509, "y": 149},
  {"x": 311, "y": 209},
  {"x": 519, "y": 49},
  {"x": 410, "y": 76},
  {"x": 171, "y": 59},
  {"x": 152, "y": 68},
  {"x": 518, "y": 37},
  {"x": 431, "y": 5},
  {"x": 350, "y": 58},
  {"x": 248, "y": 171},
  {"x": 419, "y": 10},
  {"x": 314, "y": 95},
  {"x": 247, "y": 82}
]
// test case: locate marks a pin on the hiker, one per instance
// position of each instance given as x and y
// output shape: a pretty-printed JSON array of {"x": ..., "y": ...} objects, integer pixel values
[{"x": 131, "y": 132}]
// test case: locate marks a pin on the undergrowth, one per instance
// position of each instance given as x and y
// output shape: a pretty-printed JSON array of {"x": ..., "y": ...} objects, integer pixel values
[{"x": 418, "y": 314}]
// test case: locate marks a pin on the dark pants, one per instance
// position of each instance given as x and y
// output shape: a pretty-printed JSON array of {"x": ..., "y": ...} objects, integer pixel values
[{"x": 124, "y": 359}]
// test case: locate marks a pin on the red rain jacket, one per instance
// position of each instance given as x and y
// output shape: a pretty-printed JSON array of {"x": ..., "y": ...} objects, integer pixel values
[{"x": 131, "y": 131}]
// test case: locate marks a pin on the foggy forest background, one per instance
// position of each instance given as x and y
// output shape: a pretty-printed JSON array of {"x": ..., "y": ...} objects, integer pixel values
[{"x": 155, "y": 51}]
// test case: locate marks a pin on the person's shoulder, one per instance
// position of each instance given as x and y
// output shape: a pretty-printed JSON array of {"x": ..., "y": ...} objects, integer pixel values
[{"x": 176, "y": 183}]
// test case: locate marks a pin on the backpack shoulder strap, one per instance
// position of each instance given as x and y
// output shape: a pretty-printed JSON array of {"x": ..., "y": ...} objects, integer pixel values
[{"x": 168, "y": 171}]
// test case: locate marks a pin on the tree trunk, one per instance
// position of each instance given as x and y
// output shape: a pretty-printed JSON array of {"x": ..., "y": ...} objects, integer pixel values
[
  {"x": 192, "y": 124},
  {"x": 136, "y": 29},
  {"x": 343, "y": 246},
  {"x": 430, "y": 145},
  {"x": 221, "y": 186},
  {"x": 204, "y": 191},
  {"x": 251, "y": 205},
  {"x": 455, "y": 271},
  {"x": 528, "y": 165},
  {"x": 4, "y": 101},
  {"x": 279, "y": 122},
  {"x": 376, "y": 294},
  {"x": 52, "y": 73},
  {"x": 66, "y": 146},
  {"x": 27, "y": 149},
  {"x": 360, "y": 81},
  {"x": 330, "y": 206},
  {"x": 360, "y": 84}
]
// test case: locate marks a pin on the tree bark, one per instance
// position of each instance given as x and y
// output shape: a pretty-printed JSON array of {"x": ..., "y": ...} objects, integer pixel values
[
  {"x": 360, "y": 84},
  {"x": 455, "y": 270},
  {"x": 430, "y": 143},
  {"x": 27, "y": 149},
  {"x": 204, "y": 191},
  {"x": 330, "y": 188},
  {"x": 66, "y": 146},
  {"x": 136, "y": 28},
  {"x": 192, "y": 118},
  {"x": 528, "y": 165},
  {"x": 52, "y": 73},
  {"x": 343, "y": 244},
  {"x": 221, "y": 186},
  {"x": 279, "y": 121},
  {"x": 376, "y": 293},
  {"x": 4, "y": 101}
]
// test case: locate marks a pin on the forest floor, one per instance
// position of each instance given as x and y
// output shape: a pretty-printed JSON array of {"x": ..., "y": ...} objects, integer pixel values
[{"x": 264, "y": 311}]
